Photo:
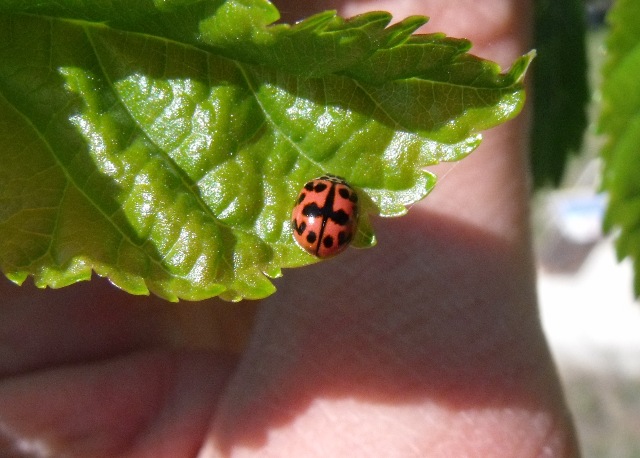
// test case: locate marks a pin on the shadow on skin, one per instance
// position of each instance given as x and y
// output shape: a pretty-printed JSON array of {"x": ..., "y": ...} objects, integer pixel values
[
  {"x": 395, "y": 326},
  {"x": 416, "y": 335}
]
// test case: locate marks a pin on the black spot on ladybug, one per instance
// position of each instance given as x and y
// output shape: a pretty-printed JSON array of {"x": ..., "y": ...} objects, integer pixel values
[
  {"x": 311, "y": 237},
  {"x": 312, "y": 209},
  {"x": 299, "y": 229},
  {"x": 320, "y": 187},
  {"x": 309, "y": 186},
  {"x": 302, "y": 197},
  {"x": 327, "y": 241},
  {"x": 344, "y": 193},
  {"x": 340, "y": 217},
  {"x": 343, "y": 238}
]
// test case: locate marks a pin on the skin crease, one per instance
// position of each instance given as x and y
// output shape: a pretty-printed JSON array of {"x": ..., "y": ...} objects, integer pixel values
[{"x": 436, "y": 351}]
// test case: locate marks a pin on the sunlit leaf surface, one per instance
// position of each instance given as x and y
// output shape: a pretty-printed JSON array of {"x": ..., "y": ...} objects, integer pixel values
[{"x": 162, "y": 144}]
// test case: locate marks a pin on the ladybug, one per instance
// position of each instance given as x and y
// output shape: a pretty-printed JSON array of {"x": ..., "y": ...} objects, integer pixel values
[{"x": 325, "y": 216}]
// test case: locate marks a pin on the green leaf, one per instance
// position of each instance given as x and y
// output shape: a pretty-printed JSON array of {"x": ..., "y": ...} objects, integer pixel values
[
  {"x": 620, "y": 121},
  {"x": 162, "y": 144},
  {"x": 560, "y": 88}
]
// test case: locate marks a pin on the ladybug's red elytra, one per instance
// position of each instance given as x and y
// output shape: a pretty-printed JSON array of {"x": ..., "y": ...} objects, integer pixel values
[{"x": 325, "y": 216}]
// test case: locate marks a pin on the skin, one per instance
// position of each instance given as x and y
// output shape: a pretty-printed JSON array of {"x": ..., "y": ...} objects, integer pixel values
[{"x": 436, "y": 351}]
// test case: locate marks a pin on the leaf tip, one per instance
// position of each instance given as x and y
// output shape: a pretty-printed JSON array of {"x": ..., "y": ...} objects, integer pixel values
[{"x": 519, "y": 68}]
